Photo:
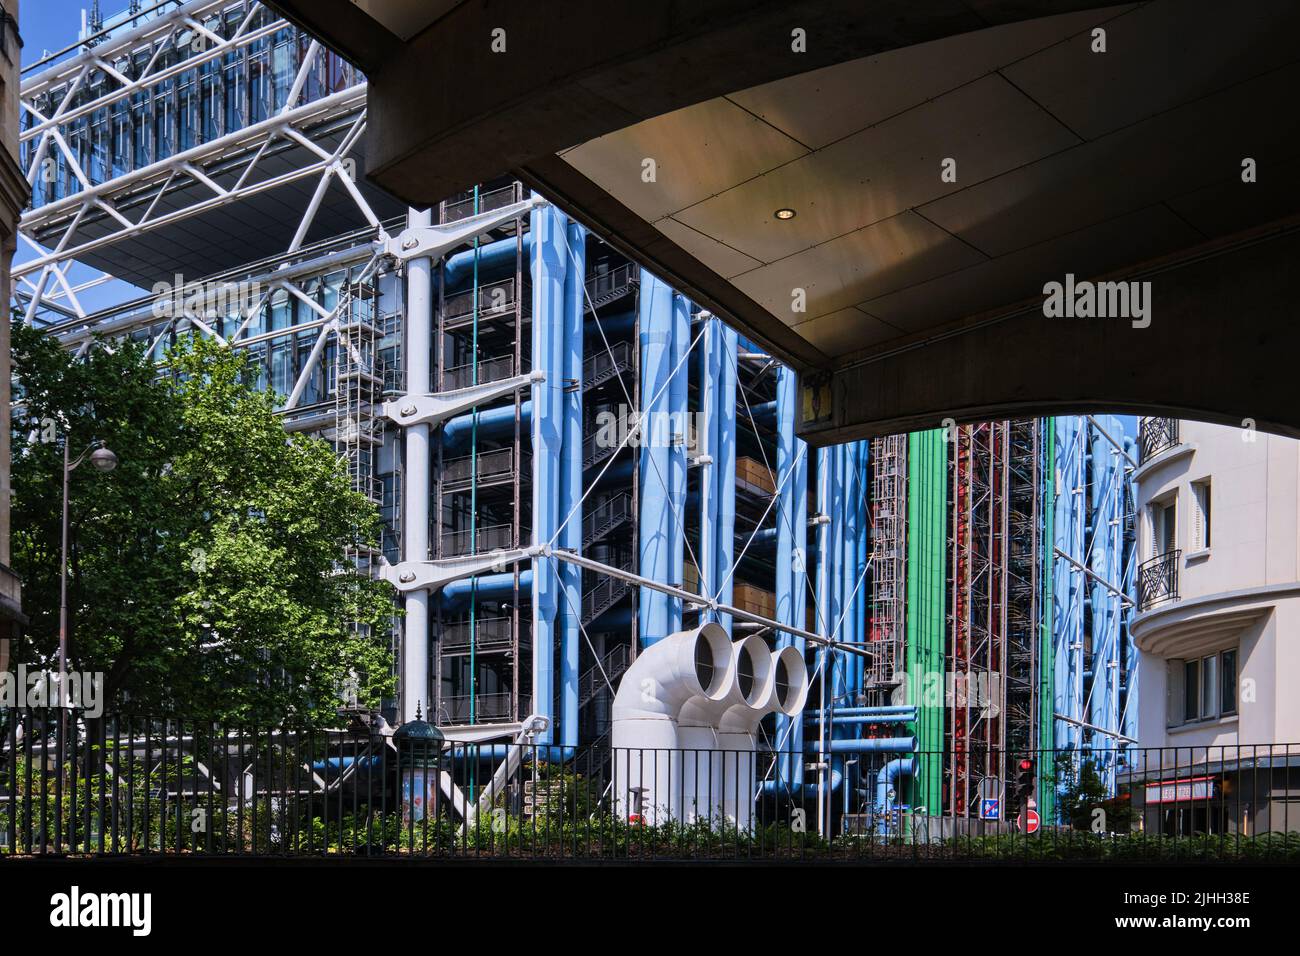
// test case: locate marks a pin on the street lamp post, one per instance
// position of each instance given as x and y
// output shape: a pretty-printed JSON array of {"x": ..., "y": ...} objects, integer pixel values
[{"x": 103, "y": 460}]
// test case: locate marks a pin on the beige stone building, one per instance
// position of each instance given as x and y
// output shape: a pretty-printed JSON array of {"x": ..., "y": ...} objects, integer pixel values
[
  {"x": 13, "y": 199},
  {"x": 1218, "y": 626}
]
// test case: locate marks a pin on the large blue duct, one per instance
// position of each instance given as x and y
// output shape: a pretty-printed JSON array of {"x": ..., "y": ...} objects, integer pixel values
[
  {"x": 791, "y": 515},
  {"x": 492, "y": 423},
  {"x": 492, "y": 257},
  {"x": 864, "y": 720},
  {"x": 550, "y": 259},
  {"x": 488, "y": 587},
  {"x": 849, "y": 632},
  {"x": 889, "y": 777},
  {"x": 619, "y": 473},
  {"x": 614, "y": 326},
  {"x": 655, "y": 529},
  {"x": 725, "y": 410},
  {"x": 1069, "y": 584},
  {"x": 801, "y": 791},
  {"x": 908, "y": 710},
  {"x": 710, "y": 373},
  {"x": 871, "y": 745},
  {"x": 570, "y": 484},
  {"x": 677, "y": 396}
]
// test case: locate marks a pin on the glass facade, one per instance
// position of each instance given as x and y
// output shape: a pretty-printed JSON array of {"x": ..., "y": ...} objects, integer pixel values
[{"x": 185, "y": 109}]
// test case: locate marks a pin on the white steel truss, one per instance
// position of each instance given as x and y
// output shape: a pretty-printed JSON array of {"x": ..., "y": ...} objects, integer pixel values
[{"x": 224, "y": 170}]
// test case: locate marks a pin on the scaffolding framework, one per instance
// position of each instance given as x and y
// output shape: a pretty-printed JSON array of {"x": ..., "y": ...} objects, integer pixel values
[{"x": 888, "y": 566}]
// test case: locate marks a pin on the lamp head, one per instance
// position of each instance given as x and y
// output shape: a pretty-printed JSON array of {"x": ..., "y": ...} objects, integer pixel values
[{"x": 103, "y": 459}]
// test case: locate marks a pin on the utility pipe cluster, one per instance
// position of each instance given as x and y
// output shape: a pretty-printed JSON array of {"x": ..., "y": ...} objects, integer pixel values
[{"x": 684, "y": 723}]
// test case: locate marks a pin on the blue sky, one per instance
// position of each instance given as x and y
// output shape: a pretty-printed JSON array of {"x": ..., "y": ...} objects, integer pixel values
[{"x": 53, "y": 24}]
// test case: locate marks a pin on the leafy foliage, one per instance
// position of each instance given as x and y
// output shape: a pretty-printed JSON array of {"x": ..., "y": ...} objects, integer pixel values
[
  {"x": 206, "y": 572},
  {"x": 1083, "y": 793}
]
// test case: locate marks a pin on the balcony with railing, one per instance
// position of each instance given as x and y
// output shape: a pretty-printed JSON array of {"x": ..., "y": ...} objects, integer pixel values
[
  {"x": 496, "y": 300},
  {"x": 604, "y": 364},
  {"x": 496, "y": 467},
  {"x": 1154, "y": 436},
  {"x": 489, "y": 635},
  {"x": 457, "y": 544},
  {"x": 1157, "y": 579},
  {"x": 467, "y": 204},
  {"x": 478, "y": 709},
  {"x": 605, "y": 516},
  {"x": 608, "y": 590},
  {"x": 489, "y": 370},
  {"x": 605, "y": 287}
]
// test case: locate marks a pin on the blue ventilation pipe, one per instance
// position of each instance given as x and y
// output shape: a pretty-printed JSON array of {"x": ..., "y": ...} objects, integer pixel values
[
  {"x": 619, "y": 473},
  {"x": 851, "y": 494},
  {"x": 870, "y": 745},
  {"x": 1069, "y": 583},
  {"x": 859, "y": 497},
  {"x": 614, "y": 326},
  {"x": 655, "y": 337},
  {"x": 1129, "y": 706},
  {"x": 550, "y": 258},
  {"x": 799, "y": 578},
  {"x": 889, "y": 778},
  {"x": 571, "y": 485},
  {"x": 877, "y": 719},
  {"x": 487, "y": 587},
  {"x": 710, "y": 373},
  {"x": 677, "y": 395},
  {"x": 823, "y": 623},
  {"x": 789, "y": 588},
  {"x": 835, "y": 566},
  {"x": 907, "y": 710},
  {"x": 493, "y": 256},
  {"x": 493, "y": 423},
  {"x": 725, "y": 411}
]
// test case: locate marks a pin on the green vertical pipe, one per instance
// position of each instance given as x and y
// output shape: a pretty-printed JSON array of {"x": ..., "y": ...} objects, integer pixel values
[
  {"x": 1046, "y": 646},
  {"x": 927, "y": 515}
]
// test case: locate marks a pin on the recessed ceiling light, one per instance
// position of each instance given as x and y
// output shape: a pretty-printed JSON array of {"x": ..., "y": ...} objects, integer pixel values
[{"x": 785, "y": 213}]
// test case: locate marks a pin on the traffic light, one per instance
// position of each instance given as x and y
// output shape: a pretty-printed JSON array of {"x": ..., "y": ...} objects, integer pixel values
[{"x": 1024, "y": 785}]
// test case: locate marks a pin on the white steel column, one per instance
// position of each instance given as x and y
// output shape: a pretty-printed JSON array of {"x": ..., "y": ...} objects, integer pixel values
[{"x": 415, "y": 484}]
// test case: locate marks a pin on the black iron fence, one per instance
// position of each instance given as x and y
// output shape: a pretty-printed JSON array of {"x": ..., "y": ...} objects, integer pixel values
[{"x": 136, "y": 786}]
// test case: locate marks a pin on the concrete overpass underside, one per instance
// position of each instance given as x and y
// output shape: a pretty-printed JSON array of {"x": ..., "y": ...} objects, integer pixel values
[{"x": 944, "y": 162}]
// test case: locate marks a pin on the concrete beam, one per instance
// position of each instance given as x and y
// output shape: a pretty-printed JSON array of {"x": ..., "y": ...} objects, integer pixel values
[
  {"x": 344, "y": 27},
  {"x": 447, "y": 110},
  {"x": 1221, "y": 347}
]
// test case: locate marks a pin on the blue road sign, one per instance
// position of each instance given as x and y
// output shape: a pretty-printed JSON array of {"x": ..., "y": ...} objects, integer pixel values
[{"x": 990, "y": 810}]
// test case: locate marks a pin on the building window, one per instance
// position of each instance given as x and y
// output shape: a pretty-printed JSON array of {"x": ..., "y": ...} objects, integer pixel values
[
  {"x": 1201, "y": 515},
  {"x": 1191, "y": 690},
  {"x": 1164, "y": 527},
  {"x": 1203, "y": 688},
  {"x": 1228, "y": 682}
]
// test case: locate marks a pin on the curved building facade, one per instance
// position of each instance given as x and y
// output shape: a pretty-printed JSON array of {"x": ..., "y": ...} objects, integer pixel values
[{"x": 1218, "y": 614}]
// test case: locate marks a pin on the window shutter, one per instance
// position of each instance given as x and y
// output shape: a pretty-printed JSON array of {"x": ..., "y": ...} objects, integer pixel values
[{"x": 1198, "y": 518}]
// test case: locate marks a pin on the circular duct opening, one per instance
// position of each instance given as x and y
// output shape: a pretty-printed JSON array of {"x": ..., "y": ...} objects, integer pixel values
[
  {"x": 745, "y": 673},
  {"x": 703, "y": 662},
  {"x": 782, "y": 680}
]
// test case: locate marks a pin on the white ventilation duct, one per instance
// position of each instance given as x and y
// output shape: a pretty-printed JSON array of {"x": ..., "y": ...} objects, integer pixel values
[
  {"x": 702, "y": 783},
  {"x": 739, "y": 724},
  {"x": 664, "y": 677}
]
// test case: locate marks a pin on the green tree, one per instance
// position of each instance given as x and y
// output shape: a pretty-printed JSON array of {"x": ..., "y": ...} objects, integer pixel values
[
  {"x": 1083, "y": 793},
  {"x": 207, "y": 573}
]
